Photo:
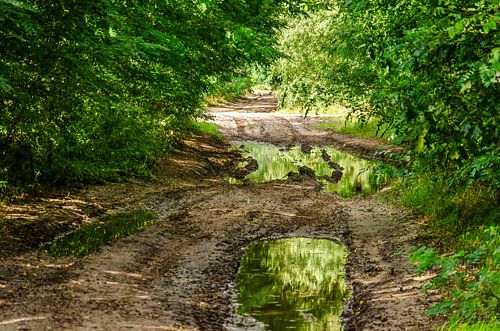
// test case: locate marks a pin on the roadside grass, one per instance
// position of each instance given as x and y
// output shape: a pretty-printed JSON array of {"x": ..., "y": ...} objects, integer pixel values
[
  {"x": 463, "y": 231},
  {"x": 330, "y": 110},
  {"x": 368, "y": 129},
  {"x": 490, "y": 325},
  {"x": 452, "y": 212},
  {"x": 205, "y": 127}
]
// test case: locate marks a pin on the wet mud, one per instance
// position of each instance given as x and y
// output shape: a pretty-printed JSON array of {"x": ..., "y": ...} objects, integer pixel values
[
  {"x": 180, "y": 272},
  {"x": 339, "y": 172}
]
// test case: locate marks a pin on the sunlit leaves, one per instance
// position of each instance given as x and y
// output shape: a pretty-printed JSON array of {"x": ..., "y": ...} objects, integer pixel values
[
  {"x": 471, "y": 278},
  {"x": 92, "y": 90},
  {"x": 425, "y": 69}
]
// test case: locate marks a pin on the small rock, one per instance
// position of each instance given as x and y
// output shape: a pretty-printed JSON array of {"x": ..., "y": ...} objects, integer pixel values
[
  {"x": 325, "y": 156},
  {"x": 305, "y": 171},
  {"x": 306, "y": 149}
]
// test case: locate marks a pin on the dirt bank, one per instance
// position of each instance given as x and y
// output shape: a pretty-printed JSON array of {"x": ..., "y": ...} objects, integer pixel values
[{"x": 178, "y": 274}]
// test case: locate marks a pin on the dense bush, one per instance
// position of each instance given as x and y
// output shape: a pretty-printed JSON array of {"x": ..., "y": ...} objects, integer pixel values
[
  {"x": 430, "y": 69},
  {"x": 428, "y": 73},
  {"x": 93, "y": 90}
]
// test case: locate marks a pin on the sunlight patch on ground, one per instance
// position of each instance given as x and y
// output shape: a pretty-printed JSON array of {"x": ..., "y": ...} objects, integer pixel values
[
  {"x": 24, "y": 319},
  {"x": 122, "y": 273}
]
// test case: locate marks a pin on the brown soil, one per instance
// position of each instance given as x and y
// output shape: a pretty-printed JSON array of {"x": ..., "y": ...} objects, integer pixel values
[
  {"x": 179, "y": 273},
  {"x": 252, "y": 119}
]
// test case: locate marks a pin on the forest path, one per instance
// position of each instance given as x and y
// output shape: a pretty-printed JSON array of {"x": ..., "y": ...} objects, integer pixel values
[
  {"x": 253, "y": 119},
  {"x": 179, "y": 273}
]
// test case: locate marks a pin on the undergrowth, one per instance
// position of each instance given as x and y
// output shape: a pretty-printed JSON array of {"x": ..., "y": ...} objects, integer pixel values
[
  {"x": 365, "y": 129},
  {"x": 228, "y": 90},
  {"x": 228, "y": 87},
  {"x": 205, "y": 127},
  {"x": 462, "y": 228}
]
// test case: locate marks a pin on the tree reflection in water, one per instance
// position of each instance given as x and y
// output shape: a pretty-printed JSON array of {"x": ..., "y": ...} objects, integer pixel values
[
  {"x": 295, "y": 283},
  {"x": 358, "y": 175}
]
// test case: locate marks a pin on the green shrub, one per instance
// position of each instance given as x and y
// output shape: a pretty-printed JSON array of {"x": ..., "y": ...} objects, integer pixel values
[
  {"x": 463, "y": 222},
  {"x": 426, "y": 69},
  {"x": 470, "y": 279},
  {"x": 92, "y": 91}
]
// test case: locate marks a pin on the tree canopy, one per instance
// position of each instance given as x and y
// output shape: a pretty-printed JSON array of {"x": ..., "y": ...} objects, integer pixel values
[
  {"x": 93, "y": 90},
  {"x": 430, "y": 69}
]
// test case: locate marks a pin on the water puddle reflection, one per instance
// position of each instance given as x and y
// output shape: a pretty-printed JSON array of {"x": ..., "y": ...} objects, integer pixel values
[
  {"x": 358, "y": 176},
  {"x": 293, "y": 284},
  {"x": 93, "y": 236}
]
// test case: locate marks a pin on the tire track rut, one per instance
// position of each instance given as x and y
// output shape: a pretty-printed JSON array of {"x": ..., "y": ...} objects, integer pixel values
[{"x": 179, "y": 273}]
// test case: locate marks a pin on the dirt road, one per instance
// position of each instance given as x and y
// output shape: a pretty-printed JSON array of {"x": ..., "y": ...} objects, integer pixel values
[
  {"x": 253, "y": 119},
  {"x": 179, "y": 273}
]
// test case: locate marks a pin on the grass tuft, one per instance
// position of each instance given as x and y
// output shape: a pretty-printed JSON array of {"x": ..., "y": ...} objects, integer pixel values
[
  {"x": 205, "y": 127},
  {"x": 490, "y": 325},
  {"x": 369, "y": 129}
]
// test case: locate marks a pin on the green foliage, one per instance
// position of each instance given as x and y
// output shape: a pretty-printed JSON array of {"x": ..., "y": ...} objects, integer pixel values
[
  {"x": 91, "y": 237},
  {"x": 300, "y": 76},
  {"x": 428, "y": 69},
  {"x": 366, "y": 129},
  {"x": 465, "y": 223},
  {"x": 228, "y": 89},
  {"x": 471, "y": 279},
  {"x": 91, "y": 91},
  {"x": 205, "y": 127}
]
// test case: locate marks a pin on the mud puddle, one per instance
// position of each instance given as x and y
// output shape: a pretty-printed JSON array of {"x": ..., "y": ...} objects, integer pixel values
[
  {"x": 179, "y": 273},
  {"x": 93, "y": 236},
  {"x": 340, "y": 172},
  {"x": 293, "y": 283}
]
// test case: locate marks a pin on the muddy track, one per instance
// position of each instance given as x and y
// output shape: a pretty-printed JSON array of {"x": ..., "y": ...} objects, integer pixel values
[
  {"x": 179, "y": 273},
  {"x": 243, "y": 122}
]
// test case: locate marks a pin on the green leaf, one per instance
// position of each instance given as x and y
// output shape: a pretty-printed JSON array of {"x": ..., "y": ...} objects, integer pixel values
[
  {"x": 420, "y": 143},
  {"x": 440, "y": 308},
  {"x": 455, "y": 155},
  {"x": 456, "y": 29},
  {"x": 466, "y": 87},
  {"x": 477, "y": 132},
  {"x": 488, "y": 26}
]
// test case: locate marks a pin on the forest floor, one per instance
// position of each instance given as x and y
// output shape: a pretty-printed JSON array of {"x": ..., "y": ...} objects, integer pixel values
[{"x": 179, "y": 273}]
